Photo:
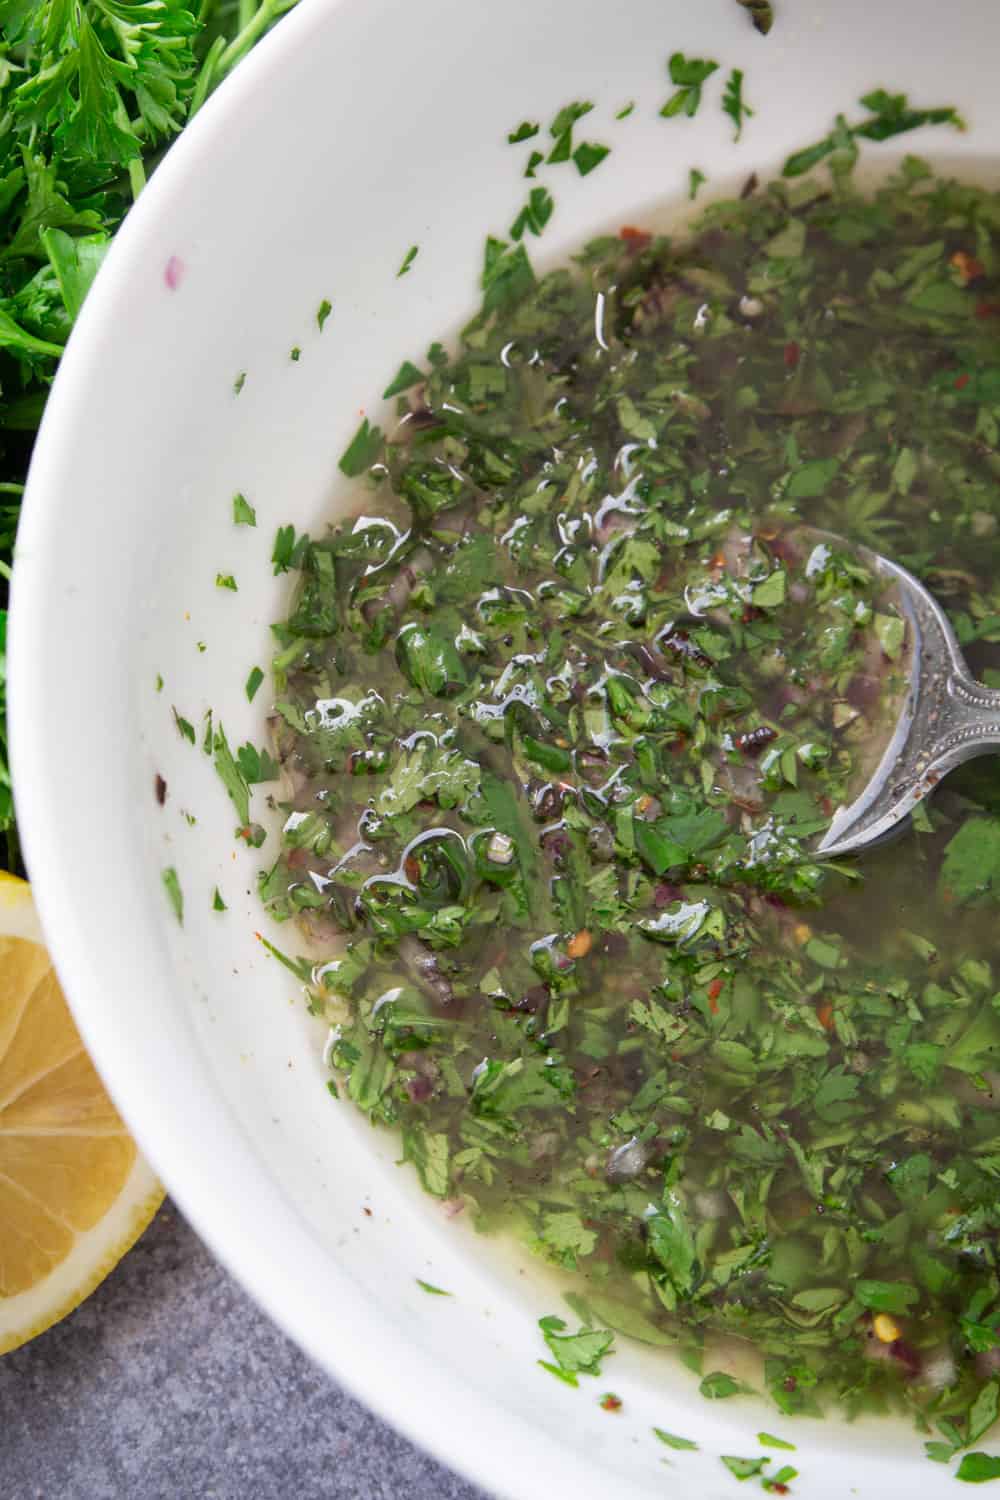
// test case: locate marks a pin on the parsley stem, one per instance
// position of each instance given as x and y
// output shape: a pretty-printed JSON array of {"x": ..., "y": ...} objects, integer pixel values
[
  {"x": 245, "y": 38},
  {"x": 136, "y": 170}
]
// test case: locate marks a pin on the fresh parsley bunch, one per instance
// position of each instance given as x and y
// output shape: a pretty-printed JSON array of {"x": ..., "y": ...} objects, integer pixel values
[{"x": 90, "y": 93}]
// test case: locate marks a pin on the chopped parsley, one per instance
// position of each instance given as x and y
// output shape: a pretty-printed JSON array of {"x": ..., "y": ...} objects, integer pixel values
[
  {"x": 362, "y": 450},
  {"x": 172, "y": 886},
  {"x": 226, "y": 581},
  {"x": 253, "y": 682},
  {"x": 574, "y": 1354},
  {"x": 217, "y": 902},
  {"x": 744, "y": 1468},
  {"x": 718, "y": 1386},
  {"x": 563, "y": 708},
  {"x": 733, "y": 103},
  {"x": 562, "y": 129},
  {"x": 184, "y": 726},
  {"x": 433, "y": 1291},
  {"x": 689, "y": 74},
  {"x": 587, "y": 156},
  {"x": 323, "y": 312},
  {"x": 696, "y": 180},
  {"x": 978, "y": 1468},
  {"x": 535, "y": 214},
  {"x": 243, "y": 512},
  {"x": 891, "y": 115},
  {"x": 681, "y": 1444},
  {"x": 289, "y": 549},
  {"x": 405, "y": 377},
  {"x": 524, "y": 132},
  {"x": 231, "y": 776},
  {"x": 408, "y": 260}
]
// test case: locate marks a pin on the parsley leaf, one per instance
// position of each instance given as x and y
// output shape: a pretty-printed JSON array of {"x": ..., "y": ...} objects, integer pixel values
[
  {"x": 535, "y": 214},
  {"x": 576, "y": 1353},
  {"x": 405, "y": 377},
  {"x": 363, "y": 449},
  {"x": 718, "y": 1386},
  {"x": 744, "y": 1468},
  {"x": 970, "y": 869},
  {"x": 184, "y": 726},
  {"x": 172, "y": 886},
  {"x": 231, "y": 776},
  {"x": 243, "y": 512},
  {"x": 891, "y": 116},
  {"x": 689, "y": 73},
  {"x": 587, "y": 156},
  {"x": 733, "y": 102},
  {"x": 681, "y": 1444},
  {"x": 978, "y": 1468},
  {"x": 408, "y": 260}
]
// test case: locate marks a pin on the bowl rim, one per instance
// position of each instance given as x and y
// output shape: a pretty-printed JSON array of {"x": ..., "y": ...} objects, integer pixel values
[{"x": 227, "y": 1193}]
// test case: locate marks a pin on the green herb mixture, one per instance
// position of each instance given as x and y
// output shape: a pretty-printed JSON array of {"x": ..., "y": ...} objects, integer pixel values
[{"x": 559, "y": 715}]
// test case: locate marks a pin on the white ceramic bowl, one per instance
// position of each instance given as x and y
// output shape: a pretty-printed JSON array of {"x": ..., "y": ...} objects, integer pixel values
[{"x": 358, "y": 129}]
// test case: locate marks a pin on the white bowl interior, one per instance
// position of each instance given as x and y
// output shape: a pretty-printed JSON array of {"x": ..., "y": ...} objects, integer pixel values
[{"x": 356, "y": 131}]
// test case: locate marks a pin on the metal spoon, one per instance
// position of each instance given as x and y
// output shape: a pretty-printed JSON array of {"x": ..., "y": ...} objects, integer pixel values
[{"x": 946, "y": 717}]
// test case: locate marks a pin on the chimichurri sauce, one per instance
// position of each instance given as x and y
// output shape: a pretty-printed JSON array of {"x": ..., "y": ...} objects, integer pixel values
[{"x": 560, "y": 716}]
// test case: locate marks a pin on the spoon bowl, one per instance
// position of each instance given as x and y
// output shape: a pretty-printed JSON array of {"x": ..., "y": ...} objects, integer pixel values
[{"x": 945, "y": 716}]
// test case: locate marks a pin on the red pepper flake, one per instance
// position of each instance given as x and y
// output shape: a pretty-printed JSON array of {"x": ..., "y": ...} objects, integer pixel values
[
  {"x": 411, "y": 870},
  {"x": 777, "y": 1488},
  {"x": 967, "y": 266},
  {"x": 792, "y": 354},
  {"x": 637, "y": 238},
  {"x": 611, "y": 1402},
  {"x": 160, "y": 787},
  {"x": 824, "y": 1014},
  {"x": 366, "y": 1210},
  {"x": 961, "y": 382},
  {"x": 988, "y": 309}
]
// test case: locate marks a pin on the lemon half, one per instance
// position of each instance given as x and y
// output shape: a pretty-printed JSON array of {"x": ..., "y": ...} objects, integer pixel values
[{"x": 75, "y": 1193}]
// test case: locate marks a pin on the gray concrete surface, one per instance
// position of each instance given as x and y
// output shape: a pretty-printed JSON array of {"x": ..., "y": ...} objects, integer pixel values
[{"x": 168, "y": 1384}]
